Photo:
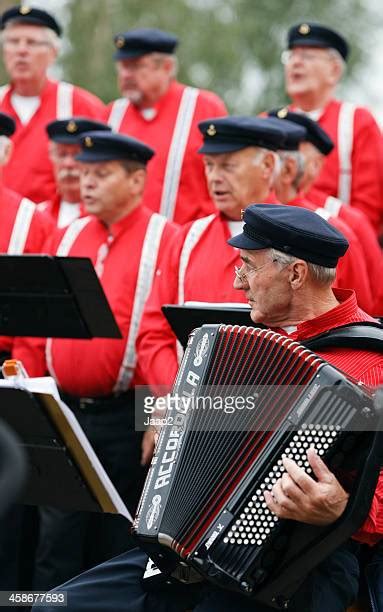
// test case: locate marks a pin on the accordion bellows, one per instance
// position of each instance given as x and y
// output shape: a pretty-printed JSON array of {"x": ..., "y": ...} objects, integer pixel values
[{"x": 203, "y": 501}]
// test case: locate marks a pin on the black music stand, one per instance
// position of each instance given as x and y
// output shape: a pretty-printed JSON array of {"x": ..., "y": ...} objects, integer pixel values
[
  {"x": 57, "y": 297},
  {"x": 62, "y": 468},
  {"x": 186, "y": 317}
]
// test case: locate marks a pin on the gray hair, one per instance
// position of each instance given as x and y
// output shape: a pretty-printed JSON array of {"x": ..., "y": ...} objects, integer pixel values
[
  {"x": 334, "y": 53},
  {"x": 320, "y": 274},
  {"x": 300, "y": 161}
]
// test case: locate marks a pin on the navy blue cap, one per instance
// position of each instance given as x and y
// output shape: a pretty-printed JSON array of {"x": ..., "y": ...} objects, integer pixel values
[
  {"x": 310, "y": 34},
  {"x": 104, "y": 146},
  {"x": 314, "y": 133},
  {"x": 227, "y": 134},
  {"x": 292, "y": 230},
  {"x": 69, "y": 131},
  {"x": 34, "y": 16},
  {"x": 142, "y": 41},
  {"x": 7, "y": 125},
  {"x": 294, "y": 134}
]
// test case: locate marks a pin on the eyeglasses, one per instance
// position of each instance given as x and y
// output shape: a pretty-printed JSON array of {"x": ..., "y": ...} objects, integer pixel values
[
  {"x": 306, "y": 55},
  {"x": 244, "y": 276},
  {"x": 13, "y": 43}
]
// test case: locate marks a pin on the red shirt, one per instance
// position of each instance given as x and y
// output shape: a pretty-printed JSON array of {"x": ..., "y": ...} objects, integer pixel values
[
  {"x": 89, "y": 368},
  {"x": 366, "y": 158},
  {"x": 366, "y": 235},
  {"x": 193, "y": 200},
  {"x": 366, "y": 366},
  {"x": 29, "y": 170},
  {"x": 38, "y": 229},
  {"x": 32, "y": 231},
  {"x": 209, "y": 277},
  {"x": 351, "y": 271}
]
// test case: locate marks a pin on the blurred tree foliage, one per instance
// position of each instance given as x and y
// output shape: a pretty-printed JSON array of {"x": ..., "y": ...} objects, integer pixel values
[{"x": 230, "y": 46}]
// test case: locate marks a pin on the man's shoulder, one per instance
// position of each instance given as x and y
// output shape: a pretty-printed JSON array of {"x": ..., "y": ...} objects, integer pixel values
[
  {"x": 362, "y": 114},
  {"x": 86, "y": 96},
  {"x": 207, "y": 98}
]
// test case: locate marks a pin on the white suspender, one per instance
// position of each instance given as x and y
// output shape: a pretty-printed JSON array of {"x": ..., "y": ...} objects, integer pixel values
[
  {"x": 177, "y": 151},
  {"x": 333, "y": 205},
  {"x": 21, "y": 227},
  {"x": 194, "y": 234},
  {"x": 64, "y": 100},
  {"x": 70, "y": 235},
  {"x": 345, "y": 143},
  {"x": 4, "y": 89},
  {"x": 146, "y": 270},
  {"x": 117, "y": 113},
  {"x": 322, "y": 212}
]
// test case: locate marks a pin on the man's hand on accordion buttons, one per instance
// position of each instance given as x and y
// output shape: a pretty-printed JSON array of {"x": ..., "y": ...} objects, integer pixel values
[{"x": 299, "y": 497}]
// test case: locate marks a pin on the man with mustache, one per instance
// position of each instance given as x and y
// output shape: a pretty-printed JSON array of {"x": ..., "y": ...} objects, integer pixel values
[
  {"x": 31, "y": 41},
  {"x": 314, "y": 64},
  {"x": 64, "y": 145},
  {"x": 159, "y": 110}
]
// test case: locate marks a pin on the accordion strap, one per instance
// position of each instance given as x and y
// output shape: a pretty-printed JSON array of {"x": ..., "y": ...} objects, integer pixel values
[{"x": 363, "y": 335}]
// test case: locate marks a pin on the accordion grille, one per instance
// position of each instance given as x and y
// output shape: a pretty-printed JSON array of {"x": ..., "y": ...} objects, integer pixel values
[{"x": 215, "y": 455}]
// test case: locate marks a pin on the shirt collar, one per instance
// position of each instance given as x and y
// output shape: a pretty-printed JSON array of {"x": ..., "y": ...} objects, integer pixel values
[
  {"x": 127, "y": 222},
  {"x": 340, "y": 314}
]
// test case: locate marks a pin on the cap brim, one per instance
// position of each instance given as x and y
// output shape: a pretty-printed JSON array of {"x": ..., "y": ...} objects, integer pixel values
[
  {"x": 97, "y": 157},
  {"x": 120, "y": 54},
  {"x": 66, "y": 139},
  {"x": 308, "y": 42},
  {"x": 241, "y": 241},
  {"x": 221, "y": 147}
]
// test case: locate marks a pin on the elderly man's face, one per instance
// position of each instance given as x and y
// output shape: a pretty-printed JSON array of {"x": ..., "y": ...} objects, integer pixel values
[
  {"x": 108, "y": 190},
  {"x": 141, "y": 77},
  {"x": 27, "y": 52},
  {"x": 65, "y": 166},
  {"x": 266, "y": 286},
  {"x": 237, "y": 179},
  {"x": 309, "y": 70}
]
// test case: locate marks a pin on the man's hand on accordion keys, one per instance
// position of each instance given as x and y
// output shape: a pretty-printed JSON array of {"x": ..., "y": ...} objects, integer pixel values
[{"x": 299, "y": 497}]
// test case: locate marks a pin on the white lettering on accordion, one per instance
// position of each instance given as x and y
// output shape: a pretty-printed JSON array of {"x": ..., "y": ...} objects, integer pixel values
[
  {"x": 192, "y": 378},
  {"x": 167, "y": 460},
  {"x": 214, "y": 536}
]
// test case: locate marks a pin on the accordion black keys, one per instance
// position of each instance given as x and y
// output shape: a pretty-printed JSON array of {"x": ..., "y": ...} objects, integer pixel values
[{"x": 243, "y": 399}]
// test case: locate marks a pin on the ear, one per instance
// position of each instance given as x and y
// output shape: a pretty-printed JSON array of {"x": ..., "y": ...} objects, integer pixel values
[
  {"x": 268, "y": 164},
  {"x": 335, "y": 73},
  {"x": 137, "y": 181},
  {"x": 289, "y": 171},
  {"x": 168, "y": 65},
  {"x": 53, "y": 53},
  {"x": 298, "y": 274}
]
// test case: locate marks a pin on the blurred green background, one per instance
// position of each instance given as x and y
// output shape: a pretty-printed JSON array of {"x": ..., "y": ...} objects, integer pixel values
[{"x": 230, "y": 46}]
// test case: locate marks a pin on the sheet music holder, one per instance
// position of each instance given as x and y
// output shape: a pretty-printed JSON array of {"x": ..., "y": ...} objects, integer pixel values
[
  {"x": 49, "y": 296},
  {"x": 186, "y": 317},
  {"x": 62, "y": 469}
]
